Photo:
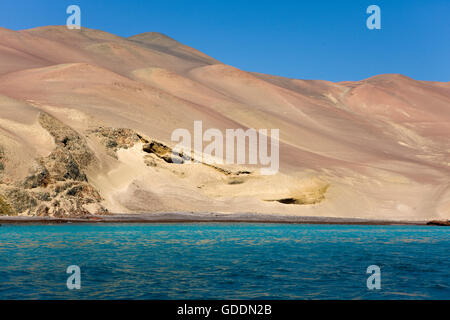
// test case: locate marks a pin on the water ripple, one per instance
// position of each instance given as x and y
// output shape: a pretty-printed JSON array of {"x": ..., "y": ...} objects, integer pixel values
[{"x": 223, "y": 261}]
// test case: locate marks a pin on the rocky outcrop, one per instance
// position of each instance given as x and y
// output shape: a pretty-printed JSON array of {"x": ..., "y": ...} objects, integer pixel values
[
  {"x": 66, "y": 163},
  {"x": 3, "y": 163},
  {"x": 68, "y": 141},
  {"x": 123, "y": 138},
  {"x": 63, "y": 166},
  {"x": 71, "y": 199},
  {"x": 57, "y": 185},
  {"x": 5, "y": 208},
  {"x": 39, "y": 177},
  {"x": 163, "y": 152},
  {"x": 2, "y": 159},
  {"x": 116, "y": 138},
  {"x": 158, "y": 151},
  {"x": 20, "y": 200}
]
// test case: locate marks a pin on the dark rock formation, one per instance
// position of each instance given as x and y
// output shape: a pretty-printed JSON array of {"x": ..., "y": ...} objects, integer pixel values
[
  {"x": 39, "y": 177},
  {"x": 62, "y": 165},
  {"x": 116, "y": 138},
  {"x": 445, "y": 223},
  {"x": 20, "y": 200},
  {"x": 2, "y": 159},
  {"x": 5, "y": 208},
  {"x": 67, "y": 140},
  {"x": 57, "y": 185},
  {"x": 164, "y": 152}
]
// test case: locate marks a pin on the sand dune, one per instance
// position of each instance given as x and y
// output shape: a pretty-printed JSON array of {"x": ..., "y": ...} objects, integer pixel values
[{"x": 78, "y": 109}]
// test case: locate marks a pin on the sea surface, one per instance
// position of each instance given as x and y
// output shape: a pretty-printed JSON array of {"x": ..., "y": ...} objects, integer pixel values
[{"x": 223, "y": 261}]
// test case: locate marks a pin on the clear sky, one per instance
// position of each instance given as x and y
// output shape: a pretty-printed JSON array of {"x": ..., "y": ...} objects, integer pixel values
[{"x": 314, "y": 39}]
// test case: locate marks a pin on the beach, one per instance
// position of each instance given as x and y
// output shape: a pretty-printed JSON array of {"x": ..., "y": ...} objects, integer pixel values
[{"x": 204, "y": 218}]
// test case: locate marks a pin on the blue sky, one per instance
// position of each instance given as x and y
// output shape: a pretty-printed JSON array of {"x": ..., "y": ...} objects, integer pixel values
[{"x": 312, "y": 39}]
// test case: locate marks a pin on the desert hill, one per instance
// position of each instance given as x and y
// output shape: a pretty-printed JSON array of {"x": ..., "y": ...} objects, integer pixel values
[{"x": 86, "y": 119}]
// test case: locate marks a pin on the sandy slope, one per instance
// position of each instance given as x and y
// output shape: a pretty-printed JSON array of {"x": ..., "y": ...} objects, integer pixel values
[{"x": 376, "y": 149}]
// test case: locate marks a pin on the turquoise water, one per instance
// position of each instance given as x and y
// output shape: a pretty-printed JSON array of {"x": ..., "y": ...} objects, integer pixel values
[{"x": 224, "y": 261}]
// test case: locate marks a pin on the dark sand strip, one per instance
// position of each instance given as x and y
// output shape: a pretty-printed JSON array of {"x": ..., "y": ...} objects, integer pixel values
[{"x": 202, "y": 218}]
